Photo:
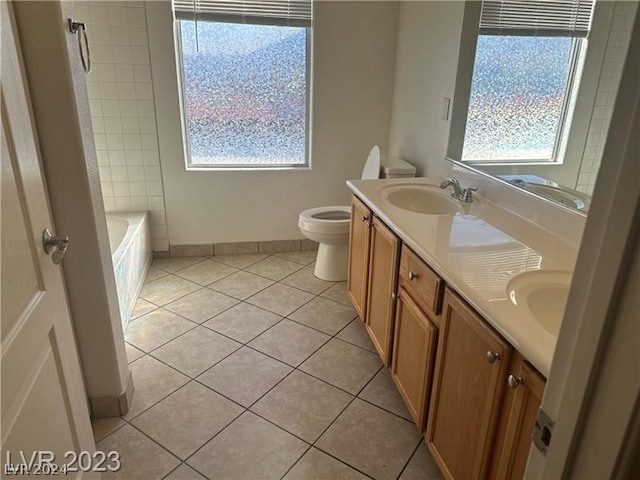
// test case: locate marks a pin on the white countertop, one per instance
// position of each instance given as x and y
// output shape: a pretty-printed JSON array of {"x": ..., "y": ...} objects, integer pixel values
[{"x": 477, "y": 252}]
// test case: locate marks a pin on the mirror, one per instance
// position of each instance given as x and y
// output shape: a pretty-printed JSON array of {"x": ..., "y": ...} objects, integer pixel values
[{"x": 534, "y": 110}]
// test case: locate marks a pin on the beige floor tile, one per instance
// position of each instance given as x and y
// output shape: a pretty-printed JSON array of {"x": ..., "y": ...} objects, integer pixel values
[
  {"x": 317, "y": 465},
  {"x": 274, "y": 268},
  {"x": 156, "y": 328},
  {"x": 245, "y": 376},
  {"x": 187, "y": 419},
  {"x": 104, "y": 426},
  {"x": 196, "y": 351},
  {"x": 206, "y": 272},
  {"x": 173, "y": 264},
  {"x": 250, "y": 448},
  {"x": 289, "y": 342},
  {"x": 422, "y": 466},
  {"x": 140, "y": 457},
  {"x": 343, "y": 365},
  {"x": 356, "y": 334},
  {"x": 201, "y": 305},
  {"x": 154, "y": 274},
  {"x": 338, "y": 293},
  {"x": 280, "y": 299},
  {"x": 241, "y": 260},
  {"x": 355, "y": 438},
  {"x": 241, "y": 285},
  {"x": 153, "y": 381},
  {"x": 324, "y": 315},
  {"x": 142, "y": 307},
  {"x": 167, "y": 289},
  {"x": 303, "y": 258},
  {"x": 381, "y": 391},
  {"x": 304, "y": 279},
  {"x": 302, "y": 405},
  {"x": 132, "y": 352},
  {"x": 243, "y": 322},
  {"x": 184, "y": 472}
]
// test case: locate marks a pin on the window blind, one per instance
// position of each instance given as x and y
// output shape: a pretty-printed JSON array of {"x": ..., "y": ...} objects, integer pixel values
[
  {"x": 565, "y": 18},
  {"x": 295, "y": 13}
]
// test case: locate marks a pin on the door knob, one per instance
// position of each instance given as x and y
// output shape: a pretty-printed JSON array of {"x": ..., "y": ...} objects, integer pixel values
[
  {"x": 56, "y": 246},
  {"x": 412, "y": 275}
]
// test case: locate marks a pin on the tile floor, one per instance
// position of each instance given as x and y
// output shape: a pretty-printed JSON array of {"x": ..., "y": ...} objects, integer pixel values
[{"x": 249, "y": 367}]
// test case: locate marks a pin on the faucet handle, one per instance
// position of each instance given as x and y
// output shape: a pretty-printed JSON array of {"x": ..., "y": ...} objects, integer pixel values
[{"x": 467, "y": 194}]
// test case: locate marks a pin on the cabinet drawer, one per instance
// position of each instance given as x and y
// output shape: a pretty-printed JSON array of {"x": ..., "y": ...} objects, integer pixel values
[{"x": 422, "y": 283}]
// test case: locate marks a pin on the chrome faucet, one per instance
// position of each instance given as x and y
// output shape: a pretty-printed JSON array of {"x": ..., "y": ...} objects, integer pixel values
[{"x": 459, "y": 193}]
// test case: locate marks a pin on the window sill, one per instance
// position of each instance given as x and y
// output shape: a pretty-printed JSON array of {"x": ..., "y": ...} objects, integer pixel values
[
  {"x": 305, "y": 168},
  {"x": 513, "y": 163}
]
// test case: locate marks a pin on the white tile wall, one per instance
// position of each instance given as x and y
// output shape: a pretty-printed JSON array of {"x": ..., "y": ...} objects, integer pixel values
[
  {"x": 617, "y": 45},
  {"x": 122, "y": 111}
]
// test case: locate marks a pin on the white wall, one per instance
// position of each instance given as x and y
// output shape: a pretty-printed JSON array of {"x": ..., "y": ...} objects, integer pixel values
[
  {"x": 426, "y": 63},
  {"x": 353, "y": 70},
  {"x": 123, "y": 112}
]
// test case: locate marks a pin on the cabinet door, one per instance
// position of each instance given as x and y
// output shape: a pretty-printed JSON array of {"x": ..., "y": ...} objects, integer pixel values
[
  {"x": 359, "y": 239},
  {"x": 383, "y": 277},
  {"x": 471, "y": 366},
  {"x": 523, "y": 396},
  {"x": 414, "y": 348}
]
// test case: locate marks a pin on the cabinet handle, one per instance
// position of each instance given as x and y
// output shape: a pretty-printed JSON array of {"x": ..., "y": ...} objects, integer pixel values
[
  {"x": 412, "y": 275},
  {"x": 492, "y": 356},
  {"x": 364, "y": 218},
  {"x": 394, "y": 295},
  {"x": 514, "y": 382}
]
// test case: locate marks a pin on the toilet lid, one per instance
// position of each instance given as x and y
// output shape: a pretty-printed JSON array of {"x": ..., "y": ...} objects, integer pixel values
[{"x": 371, "y": 168}]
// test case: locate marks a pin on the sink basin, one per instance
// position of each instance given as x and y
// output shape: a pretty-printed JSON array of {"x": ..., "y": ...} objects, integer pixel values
[
  {"x": 568, "y": 197},
  {"x": 421, "y": 199},
  {"x": 543, "y": 293}
]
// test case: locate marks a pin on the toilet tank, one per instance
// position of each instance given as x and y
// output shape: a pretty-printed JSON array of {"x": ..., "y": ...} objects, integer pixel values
[{"x": 392, "y": 167}]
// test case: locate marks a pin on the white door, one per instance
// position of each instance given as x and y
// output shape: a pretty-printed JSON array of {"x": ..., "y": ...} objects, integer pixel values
[{"x": 43, "y": 398}]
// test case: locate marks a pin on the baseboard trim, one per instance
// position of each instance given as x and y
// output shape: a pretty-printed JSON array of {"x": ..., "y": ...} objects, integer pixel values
[
  {"x": 235, "y": 248},
  {"x": 102, "y": 407}
]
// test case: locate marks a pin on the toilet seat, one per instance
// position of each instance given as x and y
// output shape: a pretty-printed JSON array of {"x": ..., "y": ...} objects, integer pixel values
[{"x": 327, "y": 220}]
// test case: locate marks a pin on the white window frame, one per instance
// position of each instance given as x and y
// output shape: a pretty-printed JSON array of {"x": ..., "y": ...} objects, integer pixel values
[
  {"x": 306, "y": 165},
  {"x": 577, "y": 135},
  {"x": 578, "y": 50}
]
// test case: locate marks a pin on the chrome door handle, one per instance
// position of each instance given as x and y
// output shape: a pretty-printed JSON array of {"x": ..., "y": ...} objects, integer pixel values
[{"x": 56, "y": 246}]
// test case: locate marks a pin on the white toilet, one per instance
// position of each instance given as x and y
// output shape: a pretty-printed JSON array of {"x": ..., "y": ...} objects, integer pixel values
[{"x": 329, "y": 226}]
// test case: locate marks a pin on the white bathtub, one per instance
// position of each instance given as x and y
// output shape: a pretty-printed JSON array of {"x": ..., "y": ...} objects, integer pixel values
[{"x": 130, "y": 242}]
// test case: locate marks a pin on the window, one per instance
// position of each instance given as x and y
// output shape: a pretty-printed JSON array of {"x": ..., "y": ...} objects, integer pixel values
[
  {"x": 245, "y": 82},
  {"x": 528, "y": 61}
]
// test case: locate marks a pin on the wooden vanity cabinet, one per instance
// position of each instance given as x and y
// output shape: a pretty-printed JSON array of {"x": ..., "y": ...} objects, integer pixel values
[
  {"x": 524, "y": 388},
  {"x": 471, "y": 365},
  {"x": 358, "y": 268},
  {"x": 383, "y": 274},
  {"x": 373, "y": 272},
  {"x": 414, "y": 349},
  {"x": 415, "y": 334}
]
